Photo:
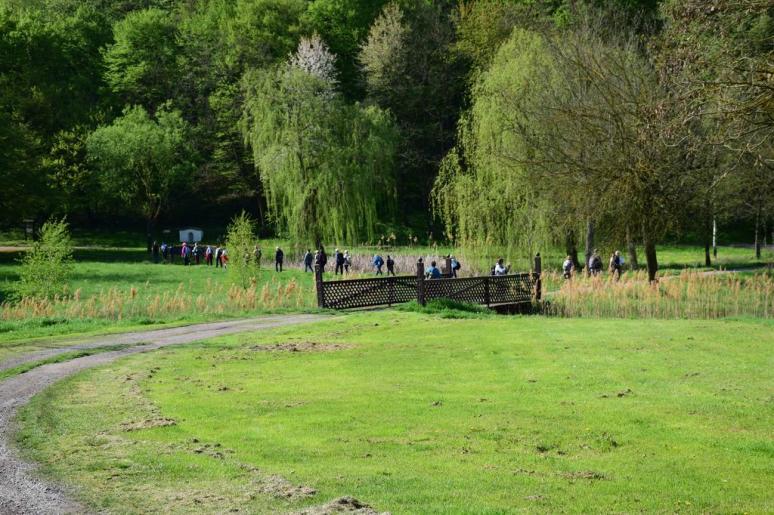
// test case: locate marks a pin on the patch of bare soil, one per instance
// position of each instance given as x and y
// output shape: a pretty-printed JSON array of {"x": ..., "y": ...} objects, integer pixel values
[
  {"x": 278, "y": 486},
  {"x": 148, "y": 424},
  {"x": 341, "y": 505},
  {"x": 301, "y": 347},
  {"x": 584, "y": 474}
]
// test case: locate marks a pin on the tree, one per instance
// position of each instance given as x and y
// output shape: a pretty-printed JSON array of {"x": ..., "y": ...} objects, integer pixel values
[
  {"x": 142, "y": 64},
  {"x": 410, "y": 70},
  {"x": 326, "y": 165},
  {"x": 240, "y": 241},
  {"x": 141, "y": 160},
  {"x": 47, "y": 266}
]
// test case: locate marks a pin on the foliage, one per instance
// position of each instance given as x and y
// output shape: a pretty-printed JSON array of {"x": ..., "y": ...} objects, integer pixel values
[
  {"x": 46, "y": 267},
  {"x": 326, "y": 165},
  {"x": 690, "y": 294},
  {"x": 142, "y": 160},
  {"x": 240, "y": 243}
]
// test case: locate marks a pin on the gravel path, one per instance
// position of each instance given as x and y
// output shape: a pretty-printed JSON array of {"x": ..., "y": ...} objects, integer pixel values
[{"x": 21, "y": 490}]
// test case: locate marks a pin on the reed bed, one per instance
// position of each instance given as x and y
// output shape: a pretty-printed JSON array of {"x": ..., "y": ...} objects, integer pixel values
[
  {"x": 135, "y": 303},
  {"x": 690, "y": 294}
]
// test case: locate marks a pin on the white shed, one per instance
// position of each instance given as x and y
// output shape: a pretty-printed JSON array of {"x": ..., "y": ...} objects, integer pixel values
[{"x": 191, "y": 235}]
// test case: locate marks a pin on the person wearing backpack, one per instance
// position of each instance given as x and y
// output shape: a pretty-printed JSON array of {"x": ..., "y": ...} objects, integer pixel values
[
  {"x": 616, "y": 264},
  {"x": 378, "y": 264},
  {"x": 455, "y": 266},
  {"x": 568, "y": 267},
  {"x": 595, "y": 263}
]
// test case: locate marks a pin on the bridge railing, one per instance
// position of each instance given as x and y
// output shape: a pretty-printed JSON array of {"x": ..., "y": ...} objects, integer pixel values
[{"x": 385, "y": 291}]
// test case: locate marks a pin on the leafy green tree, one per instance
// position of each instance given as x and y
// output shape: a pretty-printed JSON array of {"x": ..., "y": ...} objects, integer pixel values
[
  {"x": 47, "y": 266},
  {"x": 141, "y": 67},
  {"x": 326, "y": 165},
  {"x": 240, "y": 243},
  {"x": 141, "y": 160},
  {"x": 410, "y": 70}
]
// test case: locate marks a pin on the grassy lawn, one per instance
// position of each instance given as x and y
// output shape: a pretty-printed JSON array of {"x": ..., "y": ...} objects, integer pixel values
[{"x": 415, "y": 414}]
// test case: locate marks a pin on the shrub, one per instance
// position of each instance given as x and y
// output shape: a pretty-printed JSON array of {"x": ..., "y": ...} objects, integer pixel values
[
  {"x": 240, "y": 244},
  {"x": 47, "y": 267}
]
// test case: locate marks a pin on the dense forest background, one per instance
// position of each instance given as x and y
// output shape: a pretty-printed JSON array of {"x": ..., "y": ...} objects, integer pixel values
[{"x": 484, "y": 121}]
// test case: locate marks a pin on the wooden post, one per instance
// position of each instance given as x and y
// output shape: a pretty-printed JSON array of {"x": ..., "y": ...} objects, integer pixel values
[
  {"x": 449, "y": 270},
  {"x": 421, "y": 283},
  {"x": 538, "y": 281},
  {"x": 318, "y": 281}
]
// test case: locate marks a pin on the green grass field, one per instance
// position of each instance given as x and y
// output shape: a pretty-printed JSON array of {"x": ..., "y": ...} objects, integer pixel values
[{"x": 413, "y": 413}]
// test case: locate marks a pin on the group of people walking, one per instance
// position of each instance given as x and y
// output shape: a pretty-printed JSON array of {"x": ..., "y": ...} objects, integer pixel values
[
  {"x": 594, "y": 265},
  {"x": 190, "y": 254}
]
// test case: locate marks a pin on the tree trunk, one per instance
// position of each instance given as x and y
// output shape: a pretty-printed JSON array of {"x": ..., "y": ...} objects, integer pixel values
[
  {"x": 589, "y": 244},
  {"x": 631, "y": 248},
  {"x": 571, "y": 247},
  {"x": 707, "y": 238},
  {"x": 150, "y": 229},
  {"x": 757, "y": 232},
  {"x": 650, "y": 256}
]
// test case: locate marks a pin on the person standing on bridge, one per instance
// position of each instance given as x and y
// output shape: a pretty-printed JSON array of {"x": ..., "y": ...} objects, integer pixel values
[{"x": 500, "y": 268}]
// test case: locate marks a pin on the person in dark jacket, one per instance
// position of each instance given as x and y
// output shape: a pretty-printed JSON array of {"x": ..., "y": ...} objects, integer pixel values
[
  {"x": 279, "y": 258},
  {"x": 155, "y": 249},
  {"x": 322, "y": 259},
  {"x": 308, "y": 261},
  {"x": 390, "y": 265},
  {"x": 338, "y": 259}
]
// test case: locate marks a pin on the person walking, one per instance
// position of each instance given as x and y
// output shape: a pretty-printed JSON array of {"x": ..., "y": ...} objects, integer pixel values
[
  {"x": 338, "y": 259},
  {"x": 218, "y": 257},
  {"x": 208, "y": 256},
  {"x": 568, "y": 267},
  {"x": 223, "y": 258},
  {"x": 347, "y": 262},
  {"x": 197, "y": 252},
  {"x": 185, "y": 253},
  {"x": 616, "y": 265},
  {"x": 164, "y": 250},
  {"x": 595, "y": 263},
  {"x": 257, "y": 254},
  {"x": 390, "y": 266},
  {"x": 378, "y": 263},
  {"x": 308, "y": 261},
  {"x": 155, "y": 251},
  {"x": 455, "y": 266},
  {"x": 321, "y": 259},
  {"x": 279, "y": 258}
]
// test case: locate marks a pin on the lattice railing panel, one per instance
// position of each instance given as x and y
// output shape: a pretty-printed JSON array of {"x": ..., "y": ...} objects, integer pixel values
[{"x": 359, "y": 293}]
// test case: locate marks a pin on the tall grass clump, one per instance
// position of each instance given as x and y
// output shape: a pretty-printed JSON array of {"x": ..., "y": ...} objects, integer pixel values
[
  {"x": 47, "y": 266},
  {"x": 690, "y": 294},
  {"x": 240, "y": 244}
]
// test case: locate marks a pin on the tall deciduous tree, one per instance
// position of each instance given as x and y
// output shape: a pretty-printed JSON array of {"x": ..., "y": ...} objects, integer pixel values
[
  {"x": 142, "y": 159},
  {"x": 326, "y": 165}
]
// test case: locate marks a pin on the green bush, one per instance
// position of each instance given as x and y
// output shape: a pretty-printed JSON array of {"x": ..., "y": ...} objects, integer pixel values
[
  {"x": 47, "y": 267},
  {"x": 447, "y": 308},
  {"x": 240, "y": 244}
]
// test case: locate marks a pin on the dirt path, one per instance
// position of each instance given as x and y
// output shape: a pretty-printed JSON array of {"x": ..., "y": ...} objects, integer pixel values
[{"x": 21, "y": 490}]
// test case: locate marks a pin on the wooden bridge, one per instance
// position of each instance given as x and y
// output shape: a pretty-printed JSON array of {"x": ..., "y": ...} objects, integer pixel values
[{"x": 501, "y": 292}]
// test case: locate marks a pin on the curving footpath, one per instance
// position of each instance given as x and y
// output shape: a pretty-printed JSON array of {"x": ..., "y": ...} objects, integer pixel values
[{"x": 21, "y": 490}]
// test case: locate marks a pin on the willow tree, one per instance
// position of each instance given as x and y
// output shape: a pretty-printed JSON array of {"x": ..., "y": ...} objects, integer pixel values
[
  {"x": 326, "y": 165},
  {"x": 485, "y": 192}
]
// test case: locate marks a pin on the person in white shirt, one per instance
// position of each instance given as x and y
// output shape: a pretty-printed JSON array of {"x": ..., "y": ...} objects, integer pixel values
[{"x": 500, "y": 268}]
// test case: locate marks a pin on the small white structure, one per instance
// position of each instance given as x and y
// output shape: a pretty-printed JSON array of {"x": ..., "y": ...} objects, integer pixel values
[{"x": 191, "y": 235}]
